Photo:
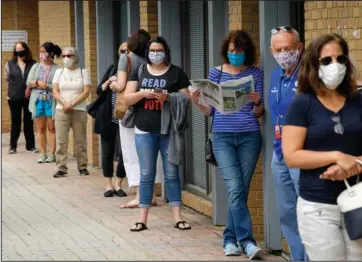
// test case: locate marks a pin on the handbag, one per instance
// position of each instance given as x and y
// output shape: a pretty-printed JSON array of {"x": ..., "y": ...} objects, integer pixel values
[
  {"x": 27, "y": 92},
  {"x": 209, "y": 153},
  {"x": 129, "y": 118},
  {"x": 120, "y": 107},
  {"x": 350, "y": 205},
  {"x": 92, "y": 108}
]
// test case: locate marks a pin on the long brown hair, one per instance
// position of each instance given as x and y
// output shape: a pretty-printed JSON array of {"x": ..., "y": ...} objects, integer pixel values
[
  {"x": 28, "y": 55},
  {"x": 308, "y": 79}
]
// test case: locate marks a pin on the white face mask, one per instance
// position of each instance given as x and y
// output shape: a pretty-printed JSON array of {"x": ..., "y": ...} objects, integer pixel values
[
  {"x": 68, "y": 62},
  {"x": 332, "y": 75}
]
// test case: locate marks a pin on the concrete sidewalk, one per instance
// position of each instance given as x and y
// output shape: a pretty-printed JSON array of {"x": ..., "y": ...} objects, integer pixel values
[{"x": 44, "y": 218}]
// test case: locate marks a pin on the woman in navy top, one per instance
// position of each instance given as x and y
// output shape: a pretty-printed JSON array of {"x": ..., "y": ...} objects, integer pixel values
[
  {"x": 322, "y": 137},
  {"x": 237, "y": 140}
]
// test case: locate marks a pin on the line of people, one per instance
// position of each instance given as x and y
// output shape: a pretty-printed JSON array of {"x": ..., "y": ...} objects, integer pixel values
[{"x": 143, "y": 103}]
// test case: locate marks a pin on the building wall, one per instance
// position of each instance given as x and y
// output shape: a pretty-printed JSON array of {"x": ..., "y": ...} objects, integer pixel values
[
  {"x": 148, "y": 16},
  {"x": 15, "y": 17},
  {"x": 326, "y": 16}
]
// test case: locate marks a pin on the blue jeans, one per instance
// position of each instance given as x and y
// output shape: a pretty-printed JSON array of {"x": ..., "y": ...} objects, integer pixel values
[
  {"x": 286, "y": 184},
  {"x": 147, "y": 146},
  {"x": 237, "y": 155}
]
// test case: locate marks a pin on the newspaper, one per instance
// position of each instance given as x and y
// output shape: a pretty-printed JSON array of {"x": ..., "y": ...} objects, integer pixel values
[{"x": 227, "y": 97}]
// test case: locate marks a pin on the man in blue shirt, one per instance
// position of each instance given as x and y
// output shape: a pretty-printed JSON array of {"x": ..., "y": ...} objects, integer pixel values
[{"x": 286, "y": 49}]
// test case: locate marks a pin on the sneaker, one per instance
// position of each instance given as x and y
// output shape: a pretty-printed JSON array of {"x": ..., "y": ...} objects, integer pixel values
[
  {"x": 252, "y": 251},
  {"x": 231, "y": 250},
  {"x": 50, "y": 159},
  {"x": 83, "y": 172},
  {"x": 42, "y": 158},
  {"x": 12, "y": 151},
  {"x": 32, "y": 150},
  {"x": 60, "y": 174}
]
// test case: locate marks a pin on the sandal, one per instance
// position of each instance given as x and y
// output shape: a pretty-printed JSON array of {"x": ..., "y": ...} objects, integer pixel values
[
  {"x": 184, "y": 223},
  {"x": 137, "y": 229}
]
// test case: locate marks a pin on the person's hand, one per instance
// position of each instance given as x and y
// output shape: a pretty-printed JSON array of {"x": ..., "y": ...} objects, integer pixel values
[
  {"x": 162, "y": 96},
  {"x": 348, "y": 164},
  {"x": 67, "y": 106},
  {"x": 195, "y": 96},
  {"x": 112, "y": 78},
  {"x": 254, "y": 97},
  {"x": 42, "y": 85},
  {"x": 334, "y": 172},
  {"x": 148, "y": 94},
  {"x": 113, "y": 86}
]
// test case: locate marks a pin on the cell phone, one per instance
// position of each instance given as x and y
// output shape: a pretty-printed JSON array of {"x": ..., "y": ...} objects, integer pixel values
[{"x": 158, "y": 90}]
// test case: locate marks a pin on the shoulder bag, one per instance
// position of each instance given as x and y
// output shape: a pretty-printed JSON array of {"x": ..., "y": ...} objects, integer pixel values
[
  {"x": 209, "y": 153},
  {"x": 120, "y": 107}
]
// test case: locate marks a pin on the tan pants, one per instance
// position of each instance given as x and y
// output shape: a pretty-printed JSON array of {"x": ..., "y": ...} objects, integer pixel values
[
  {"x": 77, "y": 120},
  {"x": 323, "y": 233}
]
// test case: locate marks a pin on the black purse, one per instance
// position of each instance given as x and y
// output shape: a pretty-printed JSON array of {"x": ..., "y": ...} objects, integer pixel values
[
  {"x": 209, "y": 153},
  {"x": 93, "y": 107}
]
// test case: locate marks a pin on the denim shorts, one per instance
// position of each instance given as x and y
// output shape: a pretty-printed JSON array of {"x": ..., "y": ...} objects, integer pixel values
[{"x": 44, "y": 108}]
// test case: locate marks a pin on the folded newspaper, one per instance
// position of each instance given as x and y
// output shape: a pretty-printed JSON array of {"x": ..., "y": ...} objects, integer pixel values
[{"x": 227, "y": 97}]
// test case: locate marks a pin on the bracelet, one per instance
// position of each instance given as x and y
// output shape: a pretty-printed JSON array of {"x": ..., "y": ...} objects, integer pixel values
[
  {"x": 258, "y": 104},
  {"x": 36, "y": 82},
  {"x": 359, "y": 161}
]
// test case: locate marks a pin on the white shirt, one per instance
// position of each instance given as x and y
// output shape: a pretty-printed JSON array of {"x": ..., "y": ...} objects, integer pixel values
[{"x": 71, "y": 84}]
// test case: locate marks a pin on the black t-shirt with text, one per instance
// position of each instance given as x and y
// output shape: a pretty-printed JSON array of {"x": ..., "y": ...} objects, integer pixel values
[{"x": 148, "y": 111}]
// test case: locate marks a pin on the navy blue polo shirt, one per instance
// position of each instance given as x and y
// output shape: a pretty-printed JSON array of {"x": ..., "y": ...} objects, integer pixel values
[{"x": 281, "y": 92}]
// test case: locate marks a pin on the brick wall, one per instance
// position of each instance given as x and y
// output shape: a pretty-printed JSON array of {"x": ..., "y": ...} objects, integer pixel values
[
  {"x": 15, "y": 17},
  {"x": 245, "y": 15},
  {"x": 326, "y": 16},
  {"x": 148, "y": 16},
  {"x": 90, "y": 51}
]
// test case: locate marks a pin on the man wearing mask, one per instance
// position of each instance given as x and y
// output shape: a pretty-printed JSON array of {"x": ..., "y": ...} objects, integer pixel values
[{"x": 286, "y": 49}]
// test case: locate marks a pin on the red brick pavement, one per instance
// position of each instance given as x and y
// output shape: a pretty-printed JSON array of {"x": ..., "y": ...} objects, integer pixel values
[{"x": 69, "y": 219}]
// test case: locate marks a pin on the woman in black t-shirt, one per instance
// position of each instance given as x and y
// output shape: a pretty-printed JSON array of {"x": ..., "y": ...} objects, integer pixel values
[
  {"x": 322, "y": 137},
  {"x": 147, "y": 90}
]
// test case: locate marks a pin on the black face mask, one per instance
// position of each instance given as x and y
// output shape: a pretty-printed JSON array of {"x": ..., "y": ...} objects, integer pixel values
[{"x": 20, "y": 53}]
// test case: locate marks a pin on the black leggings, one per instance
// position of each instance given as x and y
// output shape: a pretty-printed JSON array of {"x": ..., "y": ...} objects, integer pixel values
[
  {"x": 16, "y": 109},
  {"x": 109, "y": 144}
]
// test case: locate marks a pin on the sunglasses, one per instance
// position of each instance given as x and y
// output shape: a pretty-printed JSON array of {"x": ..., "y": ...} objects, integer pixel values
[
  {"x": 341, "y": 59},
  {"x": 284, "y": 28},
  {"x": 338, "y": 127},
  {"x": 69, "y": 56},
  {"x": 124, "y": 51}
]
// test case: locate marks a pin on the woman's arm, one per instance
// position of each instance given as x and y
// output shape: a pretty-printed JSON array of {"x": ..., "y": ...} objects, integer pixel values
[
  {"x": 30, "y": 81},
  {"x": 7, "y": 74},
  {"x": 258, "y": 96},
  {"x": 195, "y": 96},
  {"x": 121, "y": 81},
  {"x": 83, "y": 96},
  {"x": 131, "y": 96},
  {"x": 104, "y": 80}
]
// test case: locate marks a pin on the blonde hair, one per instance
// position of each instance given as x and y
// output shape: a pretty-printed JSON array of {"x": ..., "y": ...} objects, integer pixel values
[{"x": 122, "y": 46}]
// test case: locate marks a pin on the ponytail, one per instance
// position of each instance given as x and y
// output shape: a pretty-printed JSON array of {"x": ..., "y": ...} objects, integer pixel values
[{"x": 53, "y": 50}]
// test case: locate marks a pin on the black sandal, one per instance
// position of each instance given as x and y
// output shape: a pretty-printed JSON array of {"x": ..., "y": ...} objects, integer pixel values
[
  {"x": 177, "y": 225},
  {"x": 109, "y": 193},
  {"x": 143, "y": 227}
]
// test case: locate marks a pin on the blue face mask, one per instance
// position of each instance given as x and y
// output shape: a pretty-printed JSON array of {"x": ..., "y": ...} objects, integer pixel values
[{"x": 236, "y": 59}]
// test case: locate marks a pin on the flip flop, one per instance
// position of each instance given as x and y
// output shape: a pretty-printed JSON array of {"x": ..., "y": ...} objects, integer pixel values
[
  {"x": 184, "y": 223},
  {"x": 137, "y": 229}
]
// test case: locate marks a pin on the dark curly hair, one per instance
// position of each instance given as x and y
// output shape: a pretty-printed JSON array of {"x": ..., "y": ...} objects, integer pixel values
[
  {"x": 241, "y": 40},
  {"x": 28, "y": 55},
  {"x": 138, "y": 41},
  {"x": 308, "y": 78}
]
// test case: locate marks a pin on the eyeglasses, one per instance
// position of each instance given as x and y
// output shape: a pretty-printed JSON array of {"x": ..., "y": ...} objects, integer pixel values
[
  {"x": 284, "y": 28},
  {"x": 338, "y": 127},
  {"x": 342, "y": 59},
  {"x": 69, "y": 56},
  {"x": 124, "y": 51}
]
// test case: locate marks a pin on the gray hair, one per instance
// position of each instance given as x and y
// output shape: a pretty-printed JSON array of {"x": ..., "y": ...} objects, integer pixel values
[
  {"x": 73, "y": 51},
  {"x": 294, "y": 32}
]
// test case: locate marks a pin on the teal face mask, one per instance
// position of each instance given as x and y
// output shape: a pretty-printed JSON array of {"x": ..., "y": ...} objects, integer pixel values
[{"x": 236, "y": 59}]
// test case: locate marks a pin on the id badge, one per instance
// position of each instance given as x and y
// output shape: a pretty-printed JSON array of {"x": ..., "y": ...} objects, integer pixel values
[
  {"x": 277, "y": 132},
  {"x": 43, "y": 97}
]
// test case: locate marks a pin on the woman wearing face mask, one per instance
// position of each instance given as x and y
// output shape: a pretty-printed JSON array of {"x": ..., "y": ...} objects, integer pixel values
[
  {"x": 106, "y": 125},
  {"x": 129, "y": 62},
  {"x": 42, "y": 103},
  {"x": 237, "y": 140},
  {"x": 16, "y": 72},
  {"x": 154, "y": 90},
  {"x": 322, "y": 137},
  {"x": 71, "y": 86}
]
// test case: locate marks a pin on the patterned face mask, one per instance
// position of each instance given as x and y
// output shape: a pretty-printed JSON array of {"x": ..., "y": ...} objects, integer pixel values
[{"x": 287, "y": 59}]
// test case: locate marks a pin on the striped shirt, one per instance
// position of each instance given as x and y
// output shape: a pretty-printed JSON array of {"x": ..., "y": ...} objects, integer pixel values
[
  {"x": 244, "y": 120},
  {"x": 114, "y": 99}
]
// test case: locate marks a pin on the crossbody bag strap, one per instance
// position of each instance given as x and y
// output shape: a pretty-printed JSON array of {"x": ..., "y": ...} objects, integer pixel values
[{"x": 218, "y": 81}]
